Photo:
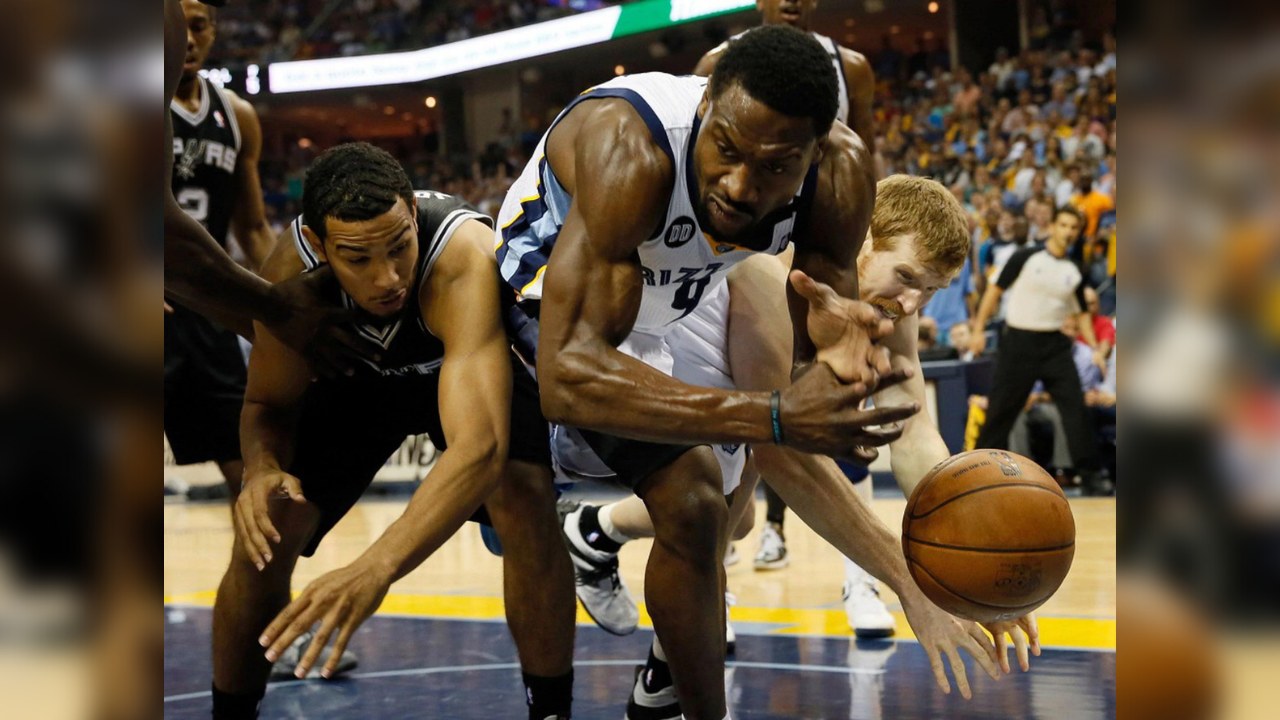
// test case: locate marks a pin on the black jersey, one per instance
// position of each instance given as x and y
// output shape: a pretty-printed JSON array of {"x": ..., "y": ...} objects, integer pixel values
[
  {"x": 408, "y": 347},
  {"x": 205, "y": 148}
]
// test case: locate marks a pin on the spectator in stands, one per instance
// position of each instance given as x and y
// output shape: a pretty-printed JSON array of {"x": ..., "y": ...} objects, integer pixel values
[
  {"x": 1059, "y": 103},
  {"x": 1066, "y": 189},
  {"x": 958, "y": 338},
  {"x": 1092, "y": 204}
]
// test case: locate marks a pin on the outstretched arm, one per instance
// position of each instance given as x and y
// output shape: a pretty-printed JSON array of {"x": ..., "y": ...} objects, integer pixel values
[
  {"x": 814, "y": 487},
  {"x": 460, "y": 305}
]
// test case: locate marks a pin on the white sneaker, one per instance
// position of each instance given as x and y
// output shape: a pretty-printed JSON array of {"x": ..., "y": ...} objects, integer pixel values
[
  {"x": 773, "y": 549},
  {"x": 284, "y": 667},
  {"x": 868, "y": 617},
  {"x": 731, "y": 556},
  {"x": 730, "y": 637}
]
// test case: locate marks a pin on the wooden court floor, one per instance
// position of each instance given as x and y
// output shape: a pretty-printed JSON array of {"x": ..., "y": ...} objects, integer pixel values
[{"x": 463, "y": 580}]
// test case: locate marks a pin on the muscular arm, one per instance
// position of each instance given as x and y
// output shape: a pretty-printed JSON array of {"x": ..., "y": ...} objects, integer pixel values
[
  {"x": 920, "y": 447},
  {"x": 249, "y": 222},
  {"x": 812, "y": 485},
  {"x": 460, "y": 306},
  {"x": 278, "y": 377},
  {"x": 827, "y": 250},
  {"x": 620, "y": 181}
]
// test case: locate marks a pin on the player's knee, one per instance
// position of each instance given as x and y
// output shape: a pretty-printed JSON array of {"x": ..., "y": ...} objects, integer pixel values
[{"x": 692, "y": 521}]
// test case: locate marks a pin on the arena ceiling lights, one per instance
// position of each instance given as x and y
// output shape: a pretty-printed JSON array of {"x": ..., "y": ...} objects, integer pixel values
[{"x": 496, "y": 49}]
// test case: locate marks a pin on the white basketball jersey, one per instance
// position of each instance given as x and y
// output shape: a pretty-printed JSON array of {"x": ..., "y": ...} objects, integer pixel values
[
  {"x": 834, "y": 51},
  {"x": 680, "y": 264}
]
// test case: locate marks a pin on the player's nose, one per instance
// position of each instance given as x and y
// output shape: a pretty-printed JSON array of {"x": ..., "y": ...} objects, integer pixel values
[{"x": 739, "y": 185}]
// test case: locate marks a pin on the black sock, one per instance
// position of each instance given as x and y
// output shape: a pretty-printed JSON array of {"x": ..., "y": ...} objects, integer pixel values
[
  {"x": 229, "y": 706},
  {"x": 657, "y": 674},
  {"x": 589, "y": 526},
  {"x": 549, "y": 696}
]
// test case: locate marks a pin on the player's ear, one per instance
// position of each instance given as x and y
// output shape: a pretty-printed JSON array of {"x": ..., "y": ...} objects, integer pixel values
[
  {"x": 821, "y": 149},
  {"x": 705, "y": 103},
  {"x": 313, "y": 240}
]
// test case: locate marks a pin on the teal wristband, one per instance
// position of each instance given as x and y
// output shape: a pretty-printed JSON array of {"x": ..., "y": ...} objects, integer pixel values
[{"x": 775, "y": 412}]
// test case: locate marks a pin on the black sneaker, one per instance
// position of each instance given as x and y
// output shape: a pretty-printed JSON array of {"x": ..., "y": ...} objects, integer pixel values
[{"x": 661, "y": 704}]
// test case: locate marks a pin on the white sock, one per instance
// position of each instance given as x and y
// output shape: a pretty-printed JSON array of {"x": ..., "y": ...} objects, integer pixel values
[
  {"x": 853, "y": 573},
  {"x": 657, "y": 650},
  {"x": 605, "y": 518}
]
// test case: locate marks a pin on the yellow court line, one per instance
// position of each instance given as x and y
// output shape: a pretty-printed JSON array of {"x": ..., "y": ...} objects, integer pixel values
[{"x": 1066, "y": 632}]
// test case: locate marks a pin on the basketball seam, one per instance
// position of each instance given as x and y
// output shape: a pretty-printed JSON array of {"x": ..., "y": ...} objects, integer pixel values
[
  {"x": 962, "y": 596},
  {"x": 978, "y": 490},
  {"x": 944, "y": 546}
]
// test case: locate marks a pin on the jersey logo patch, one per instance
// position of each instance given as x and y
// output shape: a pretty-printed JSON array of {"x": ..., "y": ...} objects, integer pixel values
[{"x": 679, "y": 232}]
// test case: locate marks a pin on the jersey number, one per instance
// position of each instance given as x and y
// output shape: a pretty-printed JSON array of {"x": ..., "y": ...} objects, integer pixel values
[
  {"x": 194, "y": 201},
  {"x": 689, "y": 294}
]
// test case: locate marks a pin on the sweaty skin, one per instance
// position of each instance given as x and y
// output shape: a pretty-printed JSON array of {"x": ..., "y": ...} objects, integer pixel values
[{"x": 604, "y": 156}]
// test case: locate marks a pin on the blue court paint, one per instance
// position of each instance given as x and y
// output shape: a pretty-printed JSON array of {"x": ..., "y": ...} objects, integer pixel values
[{"x": 429, "y": 668}]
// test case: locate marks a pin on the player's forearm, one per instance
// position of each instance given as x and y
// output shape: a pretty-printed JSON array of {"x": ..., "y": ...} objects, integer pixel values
[
  {"x": 198, "y": 272},
  {"x": 258, "y": 246},
  {"x": 266, "y": 437},
  {"x": 815, "y": 489},
  {"x": 602, "y": 389},
  {"x": 916, "y": 453},
  {"x": 461, "y": 480}
]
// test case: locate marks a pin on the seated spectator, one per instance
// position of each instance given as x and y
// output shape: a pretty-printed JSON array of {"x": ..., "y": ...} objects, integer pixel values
[
  {"x": 930, "y": 349},
  {"x": 1092, "y": 204},
  {"x": 1104, "y": 328},
  {"x": 958, "y": 338}
]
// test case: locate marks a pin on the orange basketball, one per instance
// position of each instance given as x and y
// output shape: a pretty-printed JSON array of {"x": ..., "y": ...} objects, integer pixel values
[{"x": 988, "y": 535}]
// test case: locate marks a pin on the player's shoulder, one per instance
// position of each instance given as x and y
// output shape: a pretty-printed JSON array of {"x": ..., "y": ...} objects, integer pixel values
[
  {"x": 708, "y": 61},
  {"x": 436, "y": 207},
  {"x": 613, "y": 128},
  {"x": 846, "y": 159},
  {"x": 857, "y": 68},
  {"x": 243, "y": 109}
]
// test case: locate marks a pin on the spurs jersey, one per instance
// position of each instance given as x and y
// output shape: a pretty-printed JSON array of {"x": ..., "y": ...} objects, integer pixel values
[
  {"x": 681, "y": 263},
  {"x": 206, "y": 145},
  {"x": 834, "y": 51},
  {"x": 408, "y": 347}
]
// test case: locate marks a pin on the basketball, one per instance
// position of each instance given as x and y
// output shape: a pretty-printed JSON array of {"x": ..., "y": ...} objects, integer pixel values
[{"x": 988, "y": 535}]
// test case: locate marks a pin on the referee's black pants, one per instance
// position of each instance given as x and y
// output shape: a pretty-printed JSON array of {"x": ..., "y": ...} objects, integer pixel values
[{"x": 1025, "y": 356}]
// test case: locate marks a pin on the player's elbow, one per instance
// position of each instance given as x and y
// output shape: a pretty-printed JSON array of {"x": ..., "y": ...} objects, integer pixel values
[
  {"x": 566, "y": 383},
  {"x": 486, "y": 457}
]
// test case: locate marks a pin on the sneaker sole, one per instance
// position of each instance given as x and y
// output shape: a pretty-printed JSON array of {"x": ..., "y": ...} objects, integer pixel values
[
  {"x": 773, "y": 564},
  {"x": 872, "y": 633}
]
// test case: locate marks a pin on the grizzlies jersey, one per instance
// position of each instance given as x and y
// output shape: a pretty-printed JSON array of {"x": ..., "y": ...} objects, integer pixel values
[
  {"x": 205, "y": 147},
  {"x": 680, "y": 264},
  {"x": 408, "y": 347},
  {"x": 834, "y": 51}
]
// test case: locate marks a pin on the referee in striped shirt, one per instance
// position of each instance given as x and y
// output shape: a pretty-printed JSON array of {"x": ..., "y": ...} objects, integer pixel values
[{"x": 1044, "y": 287}]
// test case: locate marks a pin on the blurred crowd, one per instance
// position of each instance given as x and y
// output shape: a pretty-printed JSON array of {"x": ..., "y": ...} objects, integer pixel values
[{"x": 279, "y": 30}]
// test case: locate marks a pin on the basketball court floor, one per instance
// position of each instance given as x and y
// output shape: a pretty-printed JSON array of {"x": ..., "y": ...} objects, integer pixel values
[{"x": 439, "y": 647}]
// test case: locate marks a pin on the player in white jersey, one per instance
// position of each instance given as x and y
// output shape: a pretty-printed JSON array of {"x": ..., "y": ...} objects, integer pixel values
[
  {"x": 641, "y": 196},
  {"x": 738, "y": 338}
]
